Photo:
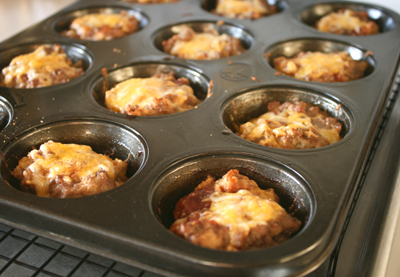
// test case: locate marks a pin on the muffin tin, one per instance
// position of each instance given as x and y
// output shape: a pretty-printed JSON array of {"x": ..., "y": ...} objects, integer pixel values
[{"x": 169, "y": 155}]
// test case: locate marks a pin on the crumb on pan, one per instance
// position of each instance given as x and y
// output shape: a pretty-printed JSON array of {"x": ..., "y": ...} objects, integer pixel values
[{"x": 210, "y": 87}]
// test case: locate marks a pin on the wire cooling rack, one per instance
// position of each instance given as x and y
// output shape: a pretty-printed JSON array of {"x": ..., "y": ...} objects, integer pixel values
[{"x": 25, "y": 254}]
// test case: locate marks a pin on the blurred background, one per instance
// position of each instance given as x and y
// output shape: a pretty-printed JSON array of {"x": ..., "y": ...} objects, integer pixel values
[{"x": 17, "y": 15}]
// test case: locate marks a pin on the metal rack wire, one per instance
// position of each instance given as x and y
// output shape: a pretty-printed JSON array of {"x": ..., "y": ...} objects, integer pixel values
[{"x": 25, "y": 254}]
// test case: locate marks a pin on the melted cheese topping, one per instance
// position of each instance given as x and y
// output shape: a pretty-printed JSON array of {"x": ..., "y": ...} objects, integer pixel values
[
  {"x": 316, "y": 64},
  {"x": 270, "y": 127},
  {"x": 56, "y": 159},
  {"x": 322, "y": 67},
  {"x": 202, "y": 43},
  {"x": 40, "y": 65},
  {"x": 142, "y": 92},
  {"x": 345, "y": 22},
  {"x": 242, "y": 210},
  {"x": 241, "y": 9},
  {"x": 294, "y": 119},
  {"x": 342, "y": 21},
  {"x": 38, "y": 60},
  {"x": 97, "y": 20}
]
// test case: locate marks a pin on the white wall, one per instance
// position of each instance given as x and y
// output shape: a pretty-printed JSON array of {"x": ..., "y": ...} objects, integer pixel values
[{"x": 17, "y": 15}]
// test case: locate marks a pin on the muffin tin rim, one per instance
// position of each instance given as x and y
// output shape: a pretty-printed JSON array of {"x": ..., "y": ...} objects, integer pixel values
[
  {"x": 4, "y": 102},
  {"x": 166, "y": 269}
]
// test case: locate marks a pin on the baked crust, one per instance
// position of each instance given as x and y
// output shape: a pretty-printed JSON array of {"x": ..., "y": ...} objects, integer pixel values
[
  {"x": 208, "y": 45},
  {"x": 292, "y": 125},
  {"x": 244, "y": 9},
  {"x": 102, "y": 26},
  {"x": 232, "y": 214},
  {"x": 46, "y": 66},
  {"x": 160, "y": 94},
  {"x": 347, "y": 22},
  {"x": 68, "y": 170},
  {"x": 322, "y": 67}
]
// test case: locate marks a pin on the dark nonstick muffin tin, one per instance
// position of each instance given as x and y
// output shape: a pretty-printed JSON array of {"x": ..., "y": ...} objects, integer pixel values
[{"x": 169, "y": 155}]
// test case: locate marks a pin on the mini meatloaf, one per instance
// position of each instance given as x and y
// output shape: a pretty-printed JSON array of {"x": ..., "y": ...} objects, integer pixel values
[
  {"x": 322, "y": 67},
  {"x": 160, "y": 94},
  {"x": 292, "y": 125},
  {"x": 48, "y": 65},
  {"x": 347, "y": 22},
  {"x": 208, "y": 45},
  {"x": 68, "y": 170},
  {"x": 247, "y": 9},
  {"x": 102, "y": 26},
  {"x": 233, "y": 214}
]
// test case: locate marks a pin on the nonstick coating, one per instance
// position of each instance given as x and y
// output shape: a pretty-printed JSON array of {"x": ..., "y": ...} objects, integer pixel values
[{"x": 169, "y": 155}]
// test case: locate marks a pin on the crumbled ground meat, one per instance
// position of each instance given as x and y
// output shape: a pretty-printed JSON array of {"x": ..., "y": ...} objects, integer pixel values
[
  {"x": 232, "y": 214},
  {"x": 208, "y": 45},
  {"x": 102, "y": 26},
  {"x": 48, "y": 65},
  {"x": 347, "y": 22},
  {"x": 68, "y": 170},
  {"x": 244, "y": 9},
  {"x": 321, "y": 67},
  {"x": 292, "y": 125},
  {"x": 160, "y": 94}
]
